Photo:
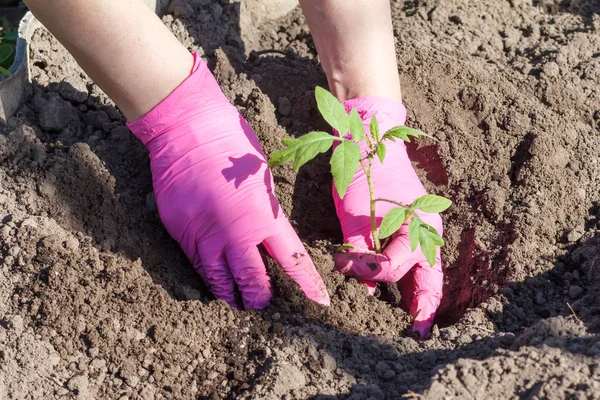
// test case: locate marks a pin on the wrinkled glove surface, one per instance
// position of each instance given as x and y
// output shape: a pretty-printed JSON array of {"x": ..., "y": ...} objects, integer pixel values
[
  {"x": 215, "y": 193},
  {"x": 395, "y": 179}
]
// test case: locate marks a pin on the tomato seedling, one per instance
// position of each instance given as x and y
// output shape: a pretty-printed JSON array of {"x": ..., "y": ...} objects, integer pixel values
[{"x": 347, "y": 158}]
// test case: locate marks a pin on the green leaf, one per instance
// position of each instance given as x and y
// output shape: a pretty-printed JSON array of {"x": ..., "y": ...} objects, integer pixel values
[
  {"x": 357, "y": 127},
  {"x": 380, "y": 150},
  {"x": 413, "y": 232},
  {"x": 344, "y": 164},
  {"x": 374, "y": 129},
  {"x": 427, "y": 247},
  {"x": 433, "y": 233},
  {"x": 429, "y": 240},
  {"x": 303, "y": 149},
  {"x": 431, "y": 203},
  {"x": 398, "y": 132},
  {"x": 5, "y": 71},
  {"x": 392, "y": 221},
  {"x": 403, "y": 132},
  {"x": 369, "y": 142},
  {"x": 6, "y": 51},
  {"x": 332, "y": 110},
  {"x": 417, "y": 133}
]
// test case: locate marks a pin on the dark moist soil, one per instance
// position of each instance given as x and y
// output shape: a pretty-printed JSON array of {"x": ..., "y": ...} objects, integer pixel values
[{"x": 96, "y": 301}]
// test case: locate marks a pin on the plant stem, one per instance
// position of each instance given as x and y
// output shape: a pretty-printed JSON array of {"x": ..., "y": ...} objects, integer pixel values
[
  {"x": 391, "y": 201},
  {"x": 374, "y": 232}
]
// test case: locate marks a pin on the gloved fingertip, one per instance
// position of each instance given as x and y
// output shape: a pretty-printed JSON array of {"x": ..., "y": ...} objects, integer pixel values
[
  {"x": 257, "y": 301},
  {"x": 371, "y": 286},
  {"x": 216, "y": 274},
  {"x": 423, "y": 327},
  {"x": 312, "y": 285},
  {"x": 322, "y": 298},
  {"x": 368, "y": 266},
  {"x": 342, "y": 263},
  {"x": 423, "y": 309},
  {"x": 228, "y": 296},
  {"x": 250, "y": 275},
  {"x": 285, "y": 247}
]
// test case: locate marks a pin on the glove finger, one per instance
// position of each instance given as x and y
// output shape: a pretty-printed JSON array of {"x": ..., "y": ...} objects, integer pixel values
[
  {"x": 250, "y": 275},
  {"x": 285, "y": 247},
  {"x": 428, "y": 284},
  {"x": 396, "y": 260},
  {"x": 406, "y": 285},
  {"x": 215, "y": 272},
  {"x": 371, "y": 286},
  {"x": 367, "y": 266}
]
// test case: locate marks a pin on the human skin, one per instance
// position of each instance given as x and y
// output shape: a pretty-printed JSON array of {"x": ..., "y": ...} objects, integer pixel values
[
  {"x": 122, "y": 45},
  {"x": 354, "y": 40},
  {"x": 355, "y": 43}
]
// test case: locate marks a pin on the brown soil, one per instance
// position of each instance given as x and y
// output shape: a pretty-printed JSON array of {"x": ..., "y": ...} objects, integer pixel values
[{"x": 96, "y": 301}]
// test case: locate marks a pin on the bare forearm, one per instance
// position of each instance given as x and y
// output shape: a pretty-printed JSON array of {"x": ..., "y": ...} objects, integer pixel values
[
  {"x": 121, "y": 45},
  {"x": 356, "y": 46}
]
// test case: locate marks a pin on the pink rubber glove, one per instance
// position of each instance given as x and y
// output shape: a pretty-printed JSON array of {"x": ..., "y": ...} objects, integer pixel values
[
  {"x": 395, "y": 179},
  {"x": 215, "y": 193}
]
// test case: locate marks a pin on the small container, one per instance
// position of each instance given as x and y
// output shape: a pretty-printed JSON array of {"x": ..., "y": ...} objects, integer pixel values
[{"x": 13, "y": 89}]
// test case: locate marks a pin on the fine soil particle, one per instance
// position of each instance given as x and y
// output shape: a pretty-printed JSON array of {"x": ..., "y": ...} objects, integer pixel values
[{"x": 96, "y": 301}]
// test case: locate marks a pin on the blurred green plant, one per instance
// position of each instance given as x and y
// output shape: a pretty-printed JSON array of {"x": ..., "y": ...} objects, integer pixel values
[{"x": 8, "y": 44}]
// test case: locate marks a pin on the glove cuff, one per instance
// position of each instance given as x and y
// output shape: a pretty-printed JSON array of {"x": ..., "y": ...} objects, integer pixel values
[{"x": 178, "y": 107}]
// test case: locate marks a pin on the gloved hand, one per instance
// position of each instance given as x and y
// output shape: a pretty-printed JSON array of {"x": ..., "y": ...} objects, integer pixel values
[
  {"x": 395, "y": 179},
  {"x": 215, "y": 193}
]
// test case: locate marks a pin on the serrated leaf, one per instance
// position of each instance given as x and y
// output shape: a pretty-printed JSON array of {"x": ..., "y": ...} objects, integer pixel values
[
  {"x": 332, "y": 111},
  {"x": 427, "y": 245},
  {"x": 416, "y": 133},
  {"x": 282, "y": 156},
  {"x": 344, "y": 164},
  {"x": 392, "y": 221},
  {"x": 430, "y": 203},
  {"x": 398, "y": 132},
  {"x": 413, "y": 232},
  {"x": 303, "y": 149},
  {"x": 357, "y": 128},
  {"x": 380, "y": 150},
  {"x": 374, "y": 127},
  {"x": 429, "y": 241},
  {"x": 433, "y": 233}
]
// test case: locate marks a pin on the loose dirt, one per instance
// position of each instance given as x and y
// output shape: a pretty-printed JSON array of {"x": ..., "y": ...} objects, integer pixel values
[{"x": 96, "y": 301}]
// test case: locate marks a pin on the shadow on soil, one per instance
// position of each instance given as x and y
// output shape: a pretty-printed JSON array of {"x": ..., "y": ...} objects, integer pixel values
[
  {"x": 107, "y": 174},
  {"x": 550, "y": 309}
]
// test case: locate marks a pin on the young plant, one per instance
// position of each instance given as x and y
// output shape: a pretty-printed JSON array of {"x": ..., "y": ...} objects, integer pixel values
[{"x": 346, "y": 160}]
